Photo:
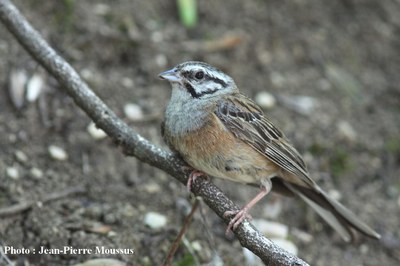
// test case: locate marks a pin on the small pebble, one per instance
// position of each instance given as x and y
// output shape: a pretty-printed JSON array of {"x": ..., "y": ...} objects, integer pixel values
[
  {"x": 324, "y": 85},
  {"x": 273, "y": 209},
  {"x": 34, "y": 87},
  {"x": 146, "y": 261},
  {"x": 250, "y": 258},
  {"x": 335, "y": 194},
  {"x": 161, "y": 60},
  {"x": 133, "y": 112},
  {"x": 99, "y": 228},
  {"x": 87, "y": 74},
  {"x": 265, "y": 100},
  {"x": 57, "y": 153},
  {"x": 127, "y": 82},
  {"x": 12, "y": 138},
  {"x": 346, "y": 131},
  {"x": 152, "y": 188},
  {"x": 111, "y": 234},
  {"x": 129, "y": 211},
  {"x": 110, "y": 218},
  {"x": 12, "y": 172},
  {"x": 364, "y": 249},
  {"x": 277, "y": 79},
  {"x": 265, "y": 57},
  {"x": 16, "y": 89},
  {"x": 101, "y": 9},
  {"x": 157, "y": 36},
  {"x": 286, "y": 245},
  {"x": 36, "y": 173},
  {"x": 308, "y": 158},
  {"x": 21, "y": 156},
  {"x": 155, "y": 220},
  {"x": 304, "y": 105},
  {"x": 271, "y": 229},
  {"x": 302, "y": 236},
  {"x": 95, "y": 132},
  {"x": 196, "y": 246}
]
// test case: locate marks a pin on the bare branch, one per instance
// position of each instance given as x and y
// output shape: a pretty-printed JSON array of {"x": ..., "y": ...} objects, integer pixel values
[
  {"x": 132, "y": 143},
  {"x": 25, "y": 205}
]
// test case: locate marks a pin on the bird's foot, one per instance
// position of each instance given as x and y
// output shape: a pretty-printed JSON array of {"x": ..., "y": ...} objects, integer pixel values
[
  {"x": 240, "y": 216},
  {"x": 192, "y": 178}
]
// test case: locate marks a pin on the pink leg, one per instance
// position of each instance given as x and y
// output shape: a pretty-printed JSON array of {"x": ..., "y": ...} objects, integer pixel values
[
  {"x": 243, "y": 213},
  {"x": 192, "y": 178}
]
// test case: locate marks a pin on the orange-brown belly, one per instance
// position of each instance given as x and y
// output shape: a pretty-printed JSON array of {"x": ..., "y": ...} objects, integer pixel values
[{"x": 218, "y": 153}]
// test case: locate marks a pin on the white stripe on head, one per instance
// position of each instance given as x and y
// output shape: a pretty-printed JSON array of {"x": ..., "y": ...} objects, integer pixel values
[{"x": 214, "y": 81}]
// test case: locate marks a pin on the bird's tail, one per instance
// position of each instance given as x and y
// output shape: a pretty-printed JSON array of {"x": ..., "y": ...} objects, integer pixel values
[{"x": 334, "y": 213}]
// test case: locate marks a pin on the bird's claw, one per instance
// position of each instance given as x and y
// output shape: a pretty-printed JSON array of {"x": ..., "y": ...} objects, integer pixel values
[
  {"x": 192, "y": 178},
  {"x": 240, "y": 216}
]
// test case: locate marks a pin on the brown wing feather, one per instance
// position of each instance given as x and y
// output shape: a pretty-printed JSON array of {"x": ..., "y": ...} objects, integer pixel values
[{"x": 247, "y": 122}]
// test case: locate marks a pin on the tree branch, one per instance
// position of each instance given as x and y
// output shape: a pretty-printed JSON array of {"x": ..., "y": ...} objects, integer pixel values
[{"x": 132, "y": 143}]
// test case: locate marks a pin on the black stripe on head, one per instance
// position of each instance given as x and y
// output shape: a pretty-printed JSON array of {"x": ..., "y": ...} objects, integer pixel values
[
  {"x": 209, "y": 91},
  {"x": 196, "y": 95},
  {"x": 207, "y": 77},
  {"x": 189, "y": 74},
  {"x": 216, "y": 80},
  {"x": 191, "y": 90}
]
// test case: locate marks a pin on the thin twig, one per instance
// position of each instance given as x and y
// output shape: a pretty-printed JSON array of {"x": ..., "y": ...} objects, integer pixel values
[
  {"x": 24, "y": 206},
  {"x": 132, "y": 143},
  {"x": 4, "y": 259},
  {"x": 178, "y": 240}
]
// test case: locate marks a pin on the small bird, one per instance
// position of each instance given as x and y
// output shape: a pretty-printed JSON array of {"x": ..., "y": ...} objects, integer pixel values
[{"x": 220, "y": 132}]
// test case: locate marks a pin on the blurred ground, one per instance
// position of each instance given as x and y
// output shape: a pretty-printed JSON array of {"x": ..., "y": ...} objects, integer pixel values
[{"x": 343, "y": 54}]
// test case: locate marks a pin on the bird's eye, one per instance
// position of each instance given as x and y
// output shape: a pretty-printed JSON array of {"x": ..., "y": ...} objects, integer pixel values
[{"x": 199, "y": 75}]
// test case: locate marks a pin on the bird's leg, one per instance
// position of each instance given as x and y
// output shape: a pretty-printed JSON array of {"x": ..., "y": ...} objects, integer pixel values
[{"x": 243, "y": 213}]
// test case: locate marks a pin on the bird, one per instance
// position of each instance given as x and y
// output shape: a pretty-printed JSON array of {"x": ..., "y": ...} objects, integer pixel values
[{"x": 219, "y": 132}]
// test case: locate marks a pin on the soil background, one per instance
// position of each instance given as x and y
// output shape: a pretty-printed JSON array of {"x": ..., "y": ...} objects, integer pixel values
[{"x": 343, "y": 54}]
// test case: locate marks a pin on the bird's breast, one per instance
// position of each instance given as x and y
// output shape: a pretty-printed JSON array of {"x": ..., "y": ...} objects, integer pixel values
[{"x": 217, "y": 152}]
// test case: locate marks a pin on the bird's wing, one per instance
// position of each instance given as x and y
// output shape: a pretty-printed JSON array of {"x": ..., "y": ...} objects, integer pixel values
[
  {"x": 163, "y": 133},
  {"x": 246, "y": 121}
]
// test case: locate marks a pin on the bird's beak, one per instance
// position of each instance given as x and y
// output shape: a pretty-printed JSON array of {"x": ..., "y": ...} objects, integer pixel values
[{"x": 170, "y": 75}]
